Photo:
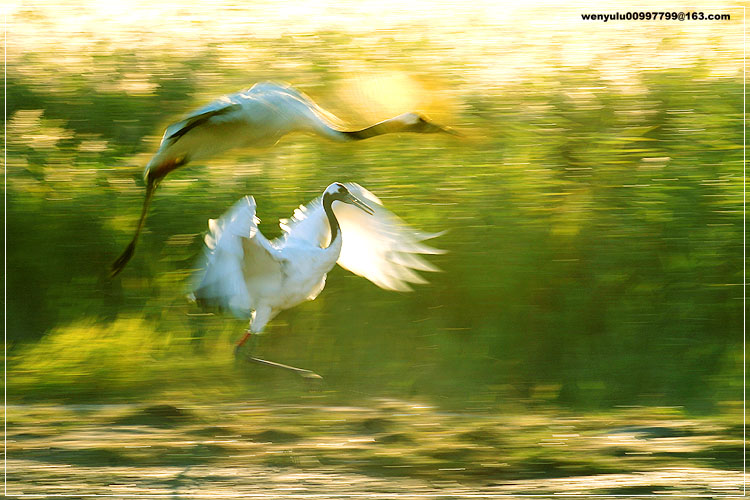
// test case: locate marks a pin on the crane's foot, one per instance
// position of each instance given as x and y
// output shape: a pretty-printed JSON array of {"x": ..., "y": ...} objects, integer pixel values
[
  {"x": 242, "y": 353},
  {"x": 305, "y": 374}
]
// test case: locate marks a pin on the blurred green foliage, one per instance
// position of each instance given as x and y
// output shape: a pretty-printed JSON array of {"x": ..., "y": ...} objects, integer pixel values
[{"x": 594, "y": 235}]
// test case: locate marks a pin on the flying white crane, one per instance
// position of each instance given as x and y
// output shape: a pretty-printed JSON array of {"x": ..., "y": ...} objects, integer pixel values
[
  {"x": 256, "y": 278},
  {"x": 257, "y": 117}
]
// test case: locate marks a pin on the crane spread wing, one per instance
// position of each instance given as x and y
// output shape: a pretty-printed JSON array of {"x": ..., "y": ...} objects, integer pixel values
[
  {"x": 308, "y": 224},
  {"x": 380, "y": 247},
  {"x": 239, "y": 262},
  {"x": 284, "y": 98},
  {"x": 217, "y": 108},
  {"x": 258, "y": 116}
]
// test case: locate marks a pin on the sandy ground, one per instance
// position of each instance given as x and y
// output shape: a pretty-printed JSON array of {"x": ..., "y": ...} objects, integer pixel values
[{"x": 387, "y": 450}]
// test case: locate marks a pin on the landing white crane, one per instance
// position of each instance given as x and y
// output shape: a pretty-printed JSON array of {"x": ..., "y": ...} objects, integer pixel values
[
  {"x": 256, "y": 278},
  {"x": 257, "y": 117}
]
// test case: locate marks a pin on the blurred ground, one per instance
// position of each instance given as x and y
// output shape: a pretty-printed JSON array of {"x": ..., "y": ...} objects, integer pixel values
[{"x": 387, "y": 448}]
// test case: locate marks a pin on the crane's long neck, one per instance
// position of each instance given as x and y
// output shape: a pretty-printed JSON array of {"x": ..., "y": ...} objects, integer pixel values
[
  {"x": 385, "y": 127},
  {"x": 332, "y": 221},
  {"x": 326, "y": 128}
]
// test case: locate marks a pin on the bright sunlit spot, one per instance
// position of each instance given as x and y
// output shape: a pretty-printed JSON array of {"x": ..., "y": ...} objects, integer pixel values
[{"x": 376, "y": 97}]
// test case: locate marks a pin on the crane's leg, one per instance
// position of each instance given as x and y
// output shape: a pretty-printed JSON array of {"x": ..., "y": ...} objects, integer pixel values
[
  {"x": 154, "y": 176},
  {"x": 249, "y": 338},
  {"x": 121, "y": 261},
  {"x": 260, "y": 318}
]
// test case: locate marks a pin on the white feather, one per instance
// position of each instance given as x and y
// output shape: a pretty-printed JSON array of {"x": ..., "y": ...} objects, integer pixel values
[
  {"x": 379, "y": 247},
  {"x": 254, "y": 278},
  {"x": 238, "y": 260}
]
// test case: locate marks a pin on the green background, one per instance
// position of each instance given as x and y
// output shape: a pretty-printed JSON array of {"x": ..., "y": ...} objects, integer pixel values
[{"x": 594, "y": 211}]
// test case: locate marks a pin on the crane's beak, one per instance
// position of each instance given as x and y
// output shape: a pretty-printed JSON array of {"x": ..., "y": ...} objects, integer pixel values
[
  {"x": 429, "y": 127},
  {"x": 448, "y": 130},
  {"x": 359, "y": 204}
]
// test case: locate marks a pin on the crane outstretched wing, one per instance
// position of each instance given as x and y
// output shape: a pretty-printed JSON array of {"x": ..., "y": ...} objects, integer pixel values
[
  {"x": 286, "y": 99},
  {"x": 380, "y": 247},
  {"x": 239, "y": 262},
  {"x": 258, "y": 116},
  {"x": 307, "y": 225},
  {"x": 220, "y": 107}
]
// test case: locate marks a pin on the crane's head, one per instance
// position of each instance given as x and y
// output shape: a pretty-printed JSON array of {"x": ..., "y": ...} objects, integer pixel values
[
  {"x": 415, "y": 122},
  {"x": 338, "y": 192}
]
